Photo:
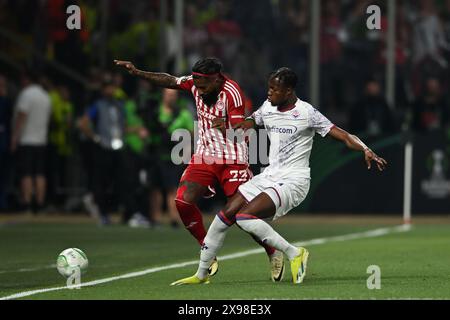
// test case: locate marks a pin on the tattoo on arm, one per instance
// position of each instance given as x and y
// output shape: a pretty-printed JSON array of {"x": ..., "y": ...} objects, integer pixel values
[{"x": 160, "y": 79}]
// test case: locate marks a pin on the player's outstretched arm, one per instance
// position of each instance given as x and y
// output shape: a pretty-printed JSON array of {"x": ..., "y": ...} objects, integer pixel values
[
  {"x": 160, "y": 79},
  {"x": 353, "y": 142}
]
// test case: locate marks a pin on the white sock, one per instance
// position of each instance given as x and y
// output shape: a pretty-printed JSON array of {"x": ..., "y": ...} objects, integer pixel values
[
  {"x": 266, "y": 234},
  {"x": 211, "y": 245}
]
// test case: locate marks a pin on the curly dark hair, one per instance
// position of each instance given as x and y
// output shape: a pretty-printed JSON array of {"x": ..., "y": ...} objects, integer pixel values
[
  {"x": 286, "y": 76},
  {"x": 208, "y": 66}
]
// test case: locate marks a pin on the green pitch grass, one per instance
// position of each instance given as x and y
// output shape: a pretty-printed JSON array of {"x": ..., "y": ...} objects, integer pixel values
[{"x": 414, "y": 264}]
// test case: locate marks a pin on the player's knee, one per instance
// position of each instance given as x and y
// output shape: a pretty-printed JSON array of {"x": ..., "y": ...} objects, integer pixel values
[
  {"x": 227, "y": 215},
  {"x": 230, "y": 211},
  {"x": 181, "y": 194},
  {"x": 185, "y": 195},
  {"x": 233, "y": 206}
]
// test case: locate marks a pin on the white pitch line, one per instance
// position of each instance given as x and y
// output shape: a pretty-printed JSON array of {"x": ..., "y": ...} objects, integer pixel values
[
  {"x": 351, "y": 236},
  {"x": 28, "y": 269}
]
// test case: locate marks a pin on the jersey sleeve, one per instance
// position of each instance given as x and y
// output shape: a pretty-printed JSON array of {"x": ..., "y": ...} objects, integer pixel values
[
  {"x": 319, "y": 122},
  {"x": 257, "y": 116},
  {"x": 236, "y": 108},
  {"x": 185, "y": 83}
]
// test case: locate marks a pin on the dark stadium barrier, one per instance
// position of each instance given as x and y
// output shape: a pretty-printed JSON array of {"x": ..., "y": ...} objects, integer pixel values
[{"x": 341, "y": 183}]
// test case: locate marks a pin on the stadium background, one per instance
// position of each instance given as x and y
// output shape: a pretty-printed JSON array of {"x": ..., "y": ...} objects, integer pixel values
[
  {"x": 338, "y": 61},
  {"x": 170, "y": 36}
]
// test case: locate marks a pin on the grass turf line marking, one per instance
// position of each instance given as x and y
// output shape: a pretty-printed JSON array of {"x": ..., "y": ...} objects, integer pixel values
[
  {"x": 45, "y": 268},
  {"x": 351, "y": 236},
  {"x": 28, "y": 269}
]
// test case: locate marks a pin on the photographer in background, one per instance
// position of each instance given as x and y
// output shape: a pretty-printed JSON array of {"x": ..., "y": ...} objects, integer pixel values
[{"x": 105, "y": 124}]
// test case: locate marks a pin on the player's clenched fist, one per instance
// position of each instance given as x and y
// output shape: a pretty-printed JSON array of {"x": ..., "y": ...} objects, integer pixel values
[
  {"x": 219, "y": 123},
  {"x": 127, "y": 65}
]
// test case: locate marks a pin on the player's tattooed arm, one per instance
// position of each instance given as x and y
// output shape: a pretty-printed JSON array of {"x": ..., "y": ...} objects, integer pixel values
[
  {"x": 219, "y": 123},
  {"x": 157, "y": 78},
  {"x": 353, "y": 142}
]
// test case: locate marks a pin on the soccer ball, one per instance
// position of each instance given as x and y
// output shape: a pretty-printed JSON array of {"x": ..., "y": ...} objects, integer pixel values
[{"x": 69, "y": 260}]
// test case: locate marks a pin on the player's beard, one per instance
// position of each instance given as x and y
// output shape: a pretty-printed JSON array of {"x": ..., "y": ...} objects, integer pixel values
[{"x": 209, "y": 99}]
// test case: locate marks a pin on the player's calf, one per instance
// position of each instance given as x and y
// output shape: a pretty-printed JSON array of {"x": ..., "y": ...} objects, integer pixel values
[
  {"x": 212, "y": 244},
  {"x": 190, "y": 214}
]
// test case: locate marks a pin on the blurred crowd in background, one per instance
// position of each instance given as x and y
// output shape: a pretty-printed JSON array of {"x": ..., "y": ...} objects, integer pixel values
[{"x": 107, "y": 135}]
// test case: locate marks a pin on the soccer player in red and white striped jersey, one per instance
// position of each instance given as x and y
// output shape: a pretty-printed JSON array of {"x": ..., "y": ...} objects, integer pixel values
[
  {"x": 217, "y": 160},
  {"x": 228, "y": 107}
]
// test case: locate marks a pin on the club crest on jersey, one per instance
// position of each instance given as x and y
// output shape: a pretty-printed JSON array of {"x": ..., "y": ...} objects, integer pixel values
[
  {"x": 295, "y": 114},
  {"x": 220, "y": 105}
]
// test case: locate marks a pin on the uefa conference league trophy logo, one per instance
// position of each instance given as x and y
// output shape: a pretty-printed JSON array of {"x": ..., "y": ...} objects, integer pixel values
[{"x": 437, "y": 187}]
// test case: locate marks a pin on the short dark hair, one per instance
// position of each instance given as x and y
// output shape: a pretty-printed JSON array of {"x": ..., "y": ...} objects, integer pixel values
[
  {"x": 286, "y": 76},
  {"x": 208, "y": 66}
]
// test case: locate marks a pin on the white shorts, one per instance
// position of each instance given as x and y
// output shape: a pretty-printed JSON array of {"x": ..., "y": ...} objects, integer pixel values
[{"x": 285, "y": 192}]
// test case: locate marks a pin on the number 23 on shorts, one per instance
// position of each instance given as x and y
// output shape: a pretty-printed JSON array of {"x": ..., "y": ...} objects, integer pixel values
[{"x": 239, "y": 175}]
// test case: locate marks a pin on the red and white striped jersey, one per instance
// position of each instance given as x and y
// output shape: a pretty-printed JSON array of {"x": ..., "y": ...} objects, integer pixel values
[{"x": 230, "y": 105}]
